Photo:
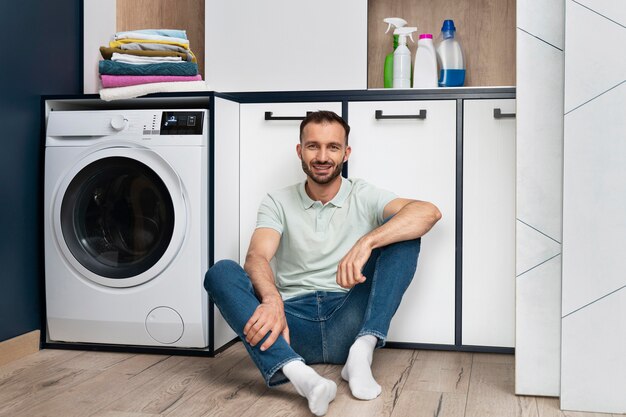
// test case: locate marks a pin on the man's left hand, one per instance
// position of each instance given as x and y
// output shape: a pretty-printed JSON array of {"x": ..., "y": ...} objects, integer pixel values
[{"x": 350, "y": 267}]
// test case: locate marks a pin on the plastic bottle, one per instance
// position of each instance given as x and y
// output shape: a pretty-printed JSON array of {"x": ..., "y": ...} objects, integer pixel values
[
  {"x": 450, "y": 57},
  {"x": 396, "y": 22},
  {"x": 425, "y": 68},
  {"x": 402, "y": 59}
]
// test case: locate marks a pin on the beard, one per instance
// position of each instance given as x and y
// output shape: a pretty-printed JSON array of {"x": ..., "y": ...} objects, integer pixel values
[{"x": 322, "y": 179}]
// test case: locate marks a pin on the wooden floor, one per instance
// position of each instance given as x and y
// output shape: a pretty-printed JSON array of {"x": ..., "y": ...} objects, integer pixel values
[{"x": 65, "y": 383}]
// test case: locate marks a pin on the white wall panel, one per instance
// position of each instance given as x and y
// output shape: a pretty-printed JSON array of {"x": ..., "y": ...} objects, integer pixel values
[
  {"x": 543, "y": 19},
  {"x": 613, "y": 9},
  {"x": 596, "y": 60},
  {"x": 539, "y": 94},
  {"x": 533, "y": 248},
  {"x": 593, "y": 364},
  {"x": 537, "y": 350},
  {"x": 593, "y": 377},
  {"x": 594, "y": 220},
  {"x": 539, "y": 134}
]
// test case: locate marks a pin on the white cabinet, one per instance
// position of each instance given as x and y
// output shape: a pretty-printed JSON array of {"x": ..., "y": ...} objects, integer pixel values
[
  {"x": 489, "y": 223},
  {"x": 419, "y": 158},
  {"x": 268, "y": 157},
  {"x": 279, "y": 45},
  {"x": 415, "y": 158}
]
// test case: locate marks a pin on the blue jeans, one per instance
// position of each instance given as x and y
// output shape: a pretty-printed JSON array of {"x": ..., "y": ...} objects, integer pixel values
[{"x": 322, "y": 325}]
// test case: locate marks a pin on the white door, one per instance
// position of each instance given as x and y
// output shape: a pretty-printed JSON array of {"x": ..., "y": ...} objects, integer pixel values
[
  {"x": 119, "y": 215},
  {"x": 415, "y": 158},
  {"x": 489, "y": 223},
  {"x": 268, "y": 156}
]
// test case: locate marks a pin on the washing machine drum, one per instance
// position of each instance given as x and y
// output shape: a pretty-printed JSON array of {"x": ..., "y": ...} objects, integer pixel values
[{"x": 117, "y": 217}]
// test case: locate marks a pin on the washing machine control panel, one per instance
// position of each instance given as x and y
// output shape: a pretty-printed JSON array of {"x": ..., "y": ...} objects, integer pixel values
[{"x": 181, "y": 123}]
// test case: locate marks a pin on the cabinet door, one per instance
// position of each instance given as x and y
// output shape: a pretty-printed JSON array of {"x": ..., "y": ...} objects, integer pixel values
[
  {"x": 280, "y": 45},
  {"x": 415, "y": 158},
  {"x": 488, "y": 223},
  {"x": 268, "y": 157}
]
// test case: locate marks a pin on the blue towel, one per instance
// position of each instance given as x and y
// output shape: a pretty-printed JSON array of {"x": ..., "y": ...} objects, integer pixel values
[
  {"x": 174, "y": 33},
  {"x": 164, "y": 68}
]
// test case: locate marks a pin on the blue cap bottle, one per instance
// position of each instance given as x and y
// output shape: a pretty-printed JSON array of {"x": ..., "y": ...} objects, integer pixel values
[{"x": 450, "y": 57}]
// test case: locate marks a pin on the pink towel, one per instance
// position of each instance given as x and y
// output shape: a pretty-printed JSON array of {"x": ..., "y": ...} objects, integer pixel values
[{"x": 109, "y": 81}]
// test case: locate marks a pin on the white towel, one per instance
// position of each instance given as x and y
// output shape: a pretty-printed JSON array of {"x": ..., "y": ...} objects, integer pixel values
[
  {"x": 119, "y": 93},
  {"x": 141, "y": 60},
  {"x": 139, "y": 35}
]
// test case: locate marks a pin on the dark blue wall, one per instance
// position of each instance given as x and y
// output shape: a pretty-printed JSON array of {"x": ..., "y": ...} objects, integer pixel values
[{"x": 41, "y": 55}]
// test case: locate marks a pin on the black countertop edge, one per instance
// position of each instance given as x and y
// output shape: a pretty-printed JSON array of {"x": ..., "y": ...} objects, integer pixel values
[{"x": 321, "y": 95}]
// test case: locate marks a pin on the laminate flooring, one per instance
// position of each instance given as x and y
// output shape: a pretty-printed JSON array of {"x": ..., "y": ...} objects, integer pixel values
[{"x": 416, "y": 383}]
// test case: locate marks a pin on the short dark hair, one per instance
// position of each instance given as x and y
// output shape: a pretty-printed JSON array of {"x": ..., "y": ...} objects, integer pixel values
[{"x": 324, "y": 116}]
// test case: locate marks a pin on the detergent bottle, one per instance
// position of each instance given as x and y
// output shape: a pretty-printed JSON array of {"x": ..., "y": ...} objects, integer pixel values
[
  {"x": 450, "y": 57},
  {"x": 396, "y": 22},
  {"x": 425, "y": 68}
]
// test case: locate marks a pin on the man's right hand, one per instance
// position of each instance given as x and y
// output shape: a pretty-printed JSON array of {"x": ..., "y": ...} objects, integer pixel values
[{"x": 269, "y": 316}]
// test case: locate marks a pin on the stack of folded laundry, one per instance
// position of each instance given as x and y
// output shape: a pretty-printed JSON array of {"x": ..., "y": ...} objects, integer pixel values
[{"x": 148, "y": 61}]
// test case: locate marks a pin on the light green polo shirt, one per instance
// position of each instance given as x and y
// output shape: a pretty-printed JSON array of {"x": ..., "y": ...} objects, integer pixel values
[{"x": 314, "y": 237}]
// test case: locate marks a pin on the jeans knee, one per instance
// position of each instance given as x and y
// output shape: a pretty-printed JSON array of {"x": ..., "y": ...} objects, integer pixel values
[
  {"x": 406, "y": 247},
  {"x": 218, "y": 273}
]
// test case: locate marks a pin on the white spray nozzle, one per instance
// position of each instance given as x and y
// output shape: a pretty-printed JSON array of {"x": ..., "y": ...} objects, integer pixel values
[
  {"x": 395, "y": 21},
  {"x": 404, "y": 32}
]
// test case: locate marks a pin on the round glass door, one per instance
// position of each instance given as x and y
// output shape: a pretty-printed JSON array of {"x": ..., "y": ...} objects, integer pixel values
[{"x": 117, "y": 217}]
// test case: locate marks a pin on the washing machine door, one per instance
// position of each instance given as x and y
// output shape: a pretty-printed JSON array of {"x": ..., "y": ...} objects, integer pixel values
[{"x": 120, "y": 216}]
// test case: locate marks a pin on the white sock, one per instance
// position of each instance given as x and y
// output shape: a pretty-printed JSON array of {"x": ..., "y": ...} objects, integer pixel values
[
  {"x": 358, "y": 371},
  {"x": 317, "y": 390}
]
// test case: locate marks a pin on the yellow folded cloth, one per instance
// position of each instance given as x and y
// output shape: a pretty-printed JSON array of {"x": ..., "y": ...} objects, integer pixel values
[{"x": 118, "y": 43}]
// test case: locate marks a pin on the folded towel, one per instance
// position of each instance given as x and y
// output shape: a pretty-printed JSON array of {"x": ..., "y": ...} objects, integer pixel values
[
  {"x": 163, "y": 68},
  {"x": 136, "y": 35},
  {"x": 143, "y": 60},
  {"x": 111, "y": 81},
  {"x": 108, "y": 94},
  {"x": 174, "y": 33},
  {"x": 119, "y": 42},
  {"x": 140, "y": 46},
  {"x": 107, "y": 53}
]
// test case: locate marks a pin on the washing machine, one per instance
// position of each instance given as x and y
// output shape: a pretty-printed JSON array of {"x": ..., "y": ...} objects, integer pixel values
[{"x": 126, "y": 227}]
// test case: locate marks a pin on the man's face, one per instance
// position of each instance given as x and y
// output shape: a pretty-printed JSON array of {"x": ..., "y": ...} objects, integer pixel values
[{"x": 323, "y": 151}]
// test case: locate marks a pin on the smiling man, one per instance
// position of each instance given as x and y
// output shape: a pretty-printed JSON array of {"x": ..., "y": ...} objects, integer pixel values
[{"x": 345, "y": 253}]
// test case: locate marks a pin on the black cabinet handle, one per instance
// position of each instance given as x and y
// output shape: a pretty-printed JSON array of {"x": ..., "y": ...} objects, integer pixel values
[
  {"x": 379, "y": 115},
  {"x": 497, "y": 114},
  {"x": 268, "y": 116}
]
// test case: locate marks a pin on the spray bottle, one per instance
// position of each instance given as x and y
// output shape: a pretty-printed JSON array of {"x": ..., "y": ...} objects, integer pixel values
[
  {"x": 402, "y": 58},
  {"x": 388, "y": 74}
]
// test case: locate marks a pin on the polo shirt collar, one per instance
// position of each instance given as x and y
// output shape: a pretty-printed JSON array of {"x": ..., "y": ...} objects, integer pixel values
[{"x": 337, "y": 201}]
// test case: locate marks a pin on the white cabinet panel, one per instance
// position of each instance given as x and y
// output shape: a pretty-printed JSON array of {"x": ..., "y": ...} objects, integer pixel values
[
  {"x": 415, "y": 159},
  {"x": 226, "y": 213},
  {"x": 278, "y": 45},
  {"x": 488, "y": 224},
  {"x": 98, "y": 29},
  {"x": 268, "y": 158}
]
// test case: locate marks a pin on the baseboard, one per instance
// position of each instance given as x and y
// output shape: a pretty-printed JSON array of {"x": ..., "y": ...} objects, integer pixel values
[{"x": 18, "y": 347}]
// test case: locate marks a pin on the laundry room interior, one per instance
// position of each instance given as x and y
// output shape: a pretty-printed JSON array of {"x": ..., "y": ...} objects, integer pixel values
[{"x": 145, "y": 142}]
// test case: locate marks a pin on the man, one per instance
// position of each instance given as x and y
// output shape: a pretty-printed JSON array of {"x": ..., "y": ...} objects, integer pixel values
[{"x": 345, "y": 253}]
